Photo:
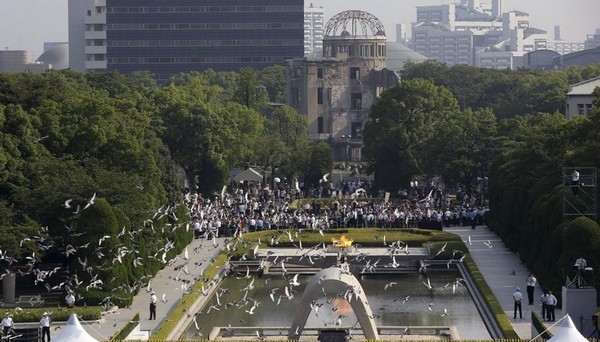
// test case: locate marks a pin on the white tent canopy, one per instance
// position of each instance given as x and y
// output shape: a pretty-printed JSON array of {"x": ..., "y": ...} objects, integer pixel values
[
  {"x": 248, "y": 175},
  {"x": 73, "y": 332},
  {"x": 568, "y": 332}
]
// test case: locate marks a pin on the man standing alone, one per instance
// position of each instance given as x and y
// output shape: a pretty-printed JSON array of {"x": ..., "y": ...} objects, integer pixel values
[
  {"x": 530, "y": 288},
  {"x": 517, "y": 297},
  {"x": 45, "y": 324},
  {"x": 153, "y": 300}
]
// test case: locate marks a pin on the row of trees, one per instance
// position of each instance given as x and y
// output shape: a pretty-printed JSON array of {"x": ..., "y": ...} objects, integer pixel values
[
  {"x": 507, "y": 93},
  {"x": 461, "y": 123},
  {"x": 122, "y": 145}
]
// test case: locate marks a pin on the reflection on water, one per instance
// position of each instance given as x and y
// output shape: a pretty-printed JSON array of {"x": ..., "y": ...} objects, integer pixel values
[{"x": 390, "y": 306}]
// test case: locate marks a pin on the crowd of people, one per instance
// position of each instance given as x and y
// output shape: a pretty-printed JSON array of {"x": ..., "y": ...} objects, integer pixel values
[{"x": 253, "y": 206}]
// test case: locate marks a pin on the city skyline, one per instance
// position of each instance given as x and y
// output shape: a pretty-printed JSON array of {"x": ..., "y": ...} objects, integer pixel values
[{"x": 27, "y": 24}]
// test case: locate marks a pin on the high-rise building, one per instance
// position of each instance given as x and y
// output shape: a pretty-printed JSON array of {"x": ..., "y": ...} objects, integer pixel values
[
  {"x": 593, "y": 40},
  {"x": 314, "y": 23},
  {"x": 401, "y": 34},
  {"x": 170, "y": 37}
]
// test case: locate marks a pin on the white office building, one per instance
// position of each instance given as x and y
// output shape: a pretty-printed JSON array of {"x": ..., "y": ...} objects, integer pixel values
[{"x": 313, "y": 31}]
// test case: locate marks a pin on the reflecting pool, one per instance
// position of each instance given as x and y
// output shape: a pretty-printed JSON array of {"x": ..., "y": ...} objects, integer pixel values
[{"x": 408, "y": 302}]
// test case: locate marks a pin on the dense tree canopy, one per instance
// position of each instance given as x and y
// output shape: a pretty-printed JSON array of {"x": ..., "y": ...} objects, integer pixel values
[
  {"x": 85, "y": 156},
  {"x": 506, "y": 92},
  {"x": 464, "y": 123}
]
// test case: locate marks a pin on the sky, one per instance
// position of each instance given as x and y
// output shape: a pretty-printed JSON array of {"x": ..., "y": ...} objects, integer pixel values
[{"x": 27, "y": 24}]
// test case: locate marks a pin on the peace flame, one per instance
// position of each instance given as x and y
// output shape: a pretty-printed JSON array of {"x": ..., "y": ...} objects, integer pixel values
[{"x": 342, "y": 242}]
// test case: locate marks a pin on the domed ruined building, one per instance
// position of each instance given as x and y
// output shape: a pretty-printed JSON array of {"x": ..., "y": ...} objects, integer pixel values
[{"x": 336, "y": 91}]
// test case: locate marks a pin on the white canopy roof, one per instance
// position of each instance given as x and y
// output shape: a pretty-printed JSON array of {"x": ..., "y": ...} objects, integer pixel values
[
  {"x": 248, "y": 175},
  {"x": 73, "y": 332},
  {"x": 568, "y": 332}
]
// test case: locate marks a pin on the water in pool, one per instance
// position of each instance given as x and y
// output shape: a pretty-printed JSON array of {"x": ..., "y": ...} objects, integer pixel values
[{"x": 437, "y": 306}]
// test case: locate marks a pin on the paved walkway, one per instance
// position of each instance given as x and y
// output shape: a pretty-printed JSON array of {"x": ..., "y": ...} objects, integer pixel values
[
  {"x": 200, "y": 252},
  {"x": 497, "y": 264}
]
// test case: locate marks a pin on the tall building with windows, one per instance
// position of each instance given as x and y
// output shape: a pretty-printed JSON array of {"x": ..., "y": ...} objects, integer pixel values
[
  {"x": 314, "y": 23},
  {"x": 170, "y": 37},
  {"x": 593, "y": 40}
]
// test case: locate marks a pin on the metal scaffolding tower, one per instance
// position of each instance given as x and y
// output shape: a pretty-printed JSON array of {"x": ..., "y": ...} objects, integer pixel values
[{"x": 580, "y": 197}]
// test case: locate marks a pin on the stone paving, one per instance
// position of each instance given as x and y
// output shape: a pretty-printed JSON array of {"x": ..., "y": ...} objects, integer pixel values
[
  {"x": 200, "y": 252},
  {"x": 497, "y": 264}
]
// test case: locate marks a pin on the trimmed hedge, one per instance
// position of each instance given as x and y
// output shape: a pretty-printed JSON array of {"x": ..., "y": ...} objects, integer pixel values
[
  {"x": 365, "y": 237},
  {"x": 127, "y": 328},
  {"x": 491, "y": 300},
  {"x": 91, "y": 313},
  {"x": 539, "y": 326}
]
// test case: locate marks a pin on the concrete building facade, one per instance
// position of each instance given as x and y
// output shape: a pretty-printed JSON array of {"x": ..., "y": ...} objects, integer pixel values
[
  {"x": 498, "y": 39},
  {"x": 167, "y": 38},
  {"x": 580, "y": 98},
  {"x": 14, "y": 61},
  {"x": 336, "y": 91},
  {"x": 593, "y": 40}
]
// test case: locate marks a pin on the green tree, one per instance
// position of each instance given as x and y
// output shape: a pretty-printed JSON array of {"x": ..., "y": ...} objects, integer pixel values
[
  {"x": 249, "y": 92},
  {"x": 285, "y": 143},
  {"x": 402, "y": 123},
  {"x": 581, "y": 239},
  {"x": 320, "y": 162},
  {"x": 462, "y": 147},
  {"x": 273, "y": 78}
]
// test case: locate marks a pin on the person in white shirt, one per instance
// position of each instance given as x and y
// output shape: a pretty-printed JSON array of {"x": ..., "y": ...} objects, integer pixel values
[
  {"x": 551, "y": 302},
  {"x": 518, "y": 297},
  {"x": 45, "y": 324},
  {"x": 70, "y": 299},
  {"x": 153, "y": 301},
  {"x": 530, "y": 288},
  {"x": 7, "y": 324}
]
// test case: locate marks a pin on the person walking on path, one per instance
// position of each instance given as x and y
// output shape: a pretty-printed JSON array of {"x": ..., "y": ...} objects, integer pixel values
[
  {"x": 45, "y": 324},
  {"x": 518, "y": 297},
  {"x": 530, "y": 288},
  {"x": 153, "y": 301},
  {"x": 551, "y": 302}
]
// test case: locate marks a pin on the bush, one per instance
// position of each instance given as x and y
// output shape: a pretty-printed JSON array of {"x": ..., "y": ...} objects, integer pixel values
[{"x": 91, "y": 313}]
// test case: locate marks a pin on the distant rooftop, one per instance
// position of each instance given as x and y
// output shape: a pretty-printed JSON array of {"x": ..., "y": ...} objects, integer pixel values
[{"x": 585, "y": 87}]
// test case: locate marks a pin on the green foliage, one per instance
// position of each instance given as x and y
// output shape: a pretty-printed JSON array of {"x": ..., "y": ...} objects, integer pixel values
[
  {"x": 273, "y": 78},
  {"x": 507, "y": 93},
  {"x": 319, "y": 163},
  {"x": 284, "y": 145},
  {"x": 127, "y": 328},
  {"x": 581, "y": 239},
  {"x": 491, "y": 300},
  {"x": 90, "y": 313},
  {"x": 402, "y": 123},
  {"x": 249, "y": 92},
  {"x": 527, "y": 193}
]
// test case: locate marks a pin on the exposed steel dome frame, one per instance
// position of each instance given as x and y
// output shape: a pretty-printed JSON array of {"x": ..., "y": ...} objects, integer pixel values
[{"x": 354, "y": 23}]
